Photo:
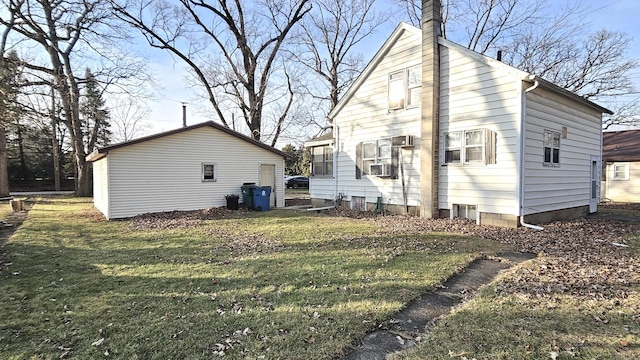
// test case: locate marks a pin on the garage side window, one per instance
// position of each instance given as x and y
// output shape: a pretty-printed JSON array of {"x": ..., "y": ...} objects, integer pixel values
[
  {"x": 209, "y": 172},
  {"x": 621, "y": 171},
  {"x": 551, "y": 148}
]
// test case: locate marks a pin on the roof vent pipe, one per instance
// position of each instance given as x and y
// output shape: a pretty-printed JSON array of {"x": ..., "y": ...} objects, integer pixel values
[
  {"x": 499, "y": 57},
  {"x": 184, "y": 114}
]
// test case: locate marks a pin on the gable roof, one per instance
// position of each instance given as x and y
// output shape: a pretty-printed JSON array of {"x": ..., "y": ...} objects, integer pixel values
[
  {"x": 102, "y": 152},
  {"x": 522, "y": 75},
  {"x": 621, "y": 146},
  {"x": 384, "y": 49}
]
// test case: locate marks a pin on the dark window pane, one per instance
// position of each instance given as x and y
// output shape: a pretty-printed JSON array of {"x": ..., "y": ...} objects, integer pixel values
[
  {"x": 547, "y": 155},
  {"x": 452, "y": 156},
  {"x": 556, "y": 156}
]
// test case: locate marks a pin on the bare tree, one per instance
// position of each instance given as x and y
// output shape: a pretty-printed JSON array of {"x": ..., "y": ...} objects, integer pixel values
[
  {"x": 64, "y": 35},
  {"x": 328, "y": 38},
  {"x": 127, "y": 118},
  {"x": 562, "y": 48},
  {"x": 246, "y": 36}
]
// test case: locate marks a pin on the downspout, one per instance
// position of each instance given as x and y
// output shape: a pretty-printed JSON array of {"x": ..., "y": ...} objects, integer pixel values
[
  {"x": 522, "y": 153},
  {"x": 336, "y": 152}
]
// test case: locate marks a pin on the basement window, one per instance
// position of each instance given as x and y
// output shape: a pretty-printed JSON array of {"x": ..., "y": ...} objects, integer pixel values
[{"x": 209, "y": 172}]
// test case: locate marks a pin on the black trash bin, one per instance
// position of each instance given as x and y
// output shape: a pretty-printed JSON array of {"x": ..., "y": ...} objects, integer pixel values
[
  {"x": 261, "y": 197},
  {"x": 247, "y": 194}
]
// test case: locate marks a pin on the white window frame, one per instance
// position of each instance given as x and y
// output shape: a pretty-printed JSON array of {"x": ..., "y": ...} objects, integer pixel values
[
  {"x": 548, "y": 142},
  {"x": 326, "y": 153},
  {"x": 396, "y": 91},
  {"x": 382, "y": 155},
  {"x": 205, "y": 172},
  {"x": 461, "y": 146},
  {"x": 404, "y": 88},
  {"x": 625, "y": 171},
  {"x": 414, "y": 86}
]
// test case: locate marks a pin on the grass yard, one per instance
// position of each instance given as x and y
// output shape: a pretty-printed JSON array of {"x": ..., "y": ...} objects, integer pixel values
[{"x": 272, "y": 285}]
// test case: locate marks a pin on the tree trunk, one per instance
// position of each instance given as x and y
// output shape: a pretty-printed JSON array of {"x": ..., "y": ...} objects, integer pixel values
[
  {"x": 54, "y": 143},
  {"x": 4, "y": 174}
]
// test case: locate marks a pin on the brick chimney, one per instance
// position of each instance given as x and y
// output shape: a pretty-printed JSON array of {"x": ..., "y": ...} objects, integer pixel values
[{"x": 431, "y": 20}]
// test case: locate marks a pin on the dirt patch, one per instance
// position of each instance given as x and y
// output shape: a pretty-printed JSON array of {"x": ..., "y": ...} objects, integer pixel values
[{"x": 297, "y": 202}]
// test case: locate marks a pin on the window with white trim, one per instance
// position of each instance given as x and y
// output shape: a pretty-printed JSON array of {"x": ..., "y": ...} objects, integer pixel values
[
  {"x": 414, "y": 86},
  {"x": 209, "y": 172},
  {"x": 396, "y": 90},
  {"x": 551, "y": 148},
  {"x": 322, "y": 160},
  {"x": 476, "y": 146},
  {"x": 620, "y": 171},
  {"x": 376, "y": 152},
  {"x": 405, "y": 88}
]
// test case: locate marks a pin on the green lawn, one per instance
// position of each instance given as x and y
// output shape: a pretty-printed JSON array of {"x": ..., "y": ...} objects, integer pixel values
[{"x": 273, "y": 285}]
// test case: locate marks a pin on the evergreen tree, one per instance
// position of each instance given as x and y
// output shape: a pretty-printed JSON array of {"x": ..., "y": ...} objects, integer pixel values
[
  {"x": 10, "y": 113},
  {"x": 95, "y": 116}
]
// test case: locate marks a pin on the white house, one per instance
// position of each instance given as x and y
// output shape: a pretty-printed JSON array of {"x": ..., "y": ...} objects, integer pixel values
[
  {"x": 435, "y": 129},
  {"x": 621, "y": 154},
  {"x": 189, "y": 168}
]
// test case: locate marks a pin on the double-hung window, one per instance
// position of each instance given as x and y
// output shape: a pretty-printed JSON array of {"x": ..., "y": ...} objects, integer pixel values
[
  {"x": 322, "y": 160},
  {"x": 476, "y": 146},
  {"x": 405, "y": 88},
  {"x": 414, "y": 86},
  {"x": 376, "y": 157},
  {"x": 551, "y": 148}
]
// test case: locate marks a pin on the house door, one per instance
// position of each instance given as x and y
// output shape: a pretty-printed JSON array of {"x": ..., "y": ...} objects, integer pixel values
[
  {"x": 595, "y": 183},
  {"x": 268, "y": 178}
]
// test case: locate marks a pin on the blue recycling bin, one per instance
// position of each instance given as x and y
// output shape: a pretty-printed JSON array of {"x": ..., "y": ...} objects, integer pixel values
[{"x": 261, "y": 197}]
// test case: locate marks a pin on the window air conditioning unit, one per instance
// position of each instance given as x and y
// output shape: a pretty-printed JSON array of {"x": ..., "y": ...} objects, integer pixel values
[
  {"x": 380, "y": 170},
  {"x": 404, "y": 141},
  {"x": 396, "y": 104}
]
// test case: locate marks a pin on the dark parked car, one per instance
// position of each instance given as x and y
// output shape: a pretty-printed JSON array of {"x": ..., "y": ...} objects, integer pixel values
[{"x": 297, "y": 181}]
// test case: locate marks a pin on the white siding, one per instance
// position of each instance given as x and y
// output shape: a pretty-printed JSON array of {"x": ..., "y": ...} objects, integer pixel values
[
  {"x": 568, "y": 185},
  {"x": 101, "y": 186},
  {"x": 365, "y": 118},
  {"x": 474, "y": 95},
  {"x": 624, "y": 190},
  {"x": 165, "y": 173}
]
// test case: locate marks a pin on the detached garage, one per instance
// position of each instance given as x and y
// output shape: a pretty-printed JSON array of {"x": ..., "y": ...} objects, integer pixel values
[{"x": 190, "y": 168}]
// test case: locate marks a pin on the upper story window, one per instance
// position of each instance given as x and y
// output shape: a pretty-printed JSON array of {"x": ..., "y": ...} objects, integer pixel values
[
  {"x": 414, "y": 86},
  {"x": 322, "y": 160},
  {"x": 551, "y": 144},
  {"x": 209, "y": 172},
  {"x": 405, "y": 88},
  {"x": 470, "y": 147}
]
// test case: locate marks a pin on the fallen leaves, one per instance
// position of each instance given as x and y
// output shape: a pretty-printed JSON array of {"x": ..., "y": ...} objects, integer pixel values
[{"x": 587, "y": 258}]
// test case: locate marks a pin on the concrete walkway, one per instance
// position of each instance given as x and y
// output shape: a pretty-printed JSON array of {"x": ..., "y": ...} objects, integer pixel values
[{"x": 415, "y": 318}]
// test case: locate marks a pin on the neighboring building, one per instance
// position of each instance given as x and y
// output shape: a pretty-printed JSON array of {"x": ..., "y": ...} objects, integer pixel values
[
  {"x": 505, "y": 145},
  {"x": 190, "y": 168},
  {"x": 621, "y": 154}
]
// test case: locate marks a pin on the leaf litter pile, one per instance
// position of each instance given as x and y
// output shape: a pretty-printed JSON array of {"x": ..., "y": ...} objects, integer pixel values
[{"x": 587, "y": 258}]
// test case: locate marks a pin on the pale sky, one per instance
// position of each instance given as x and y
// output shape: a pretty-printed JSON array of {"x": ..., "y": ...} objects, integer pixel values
[{"x": 616, "y": 15}]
